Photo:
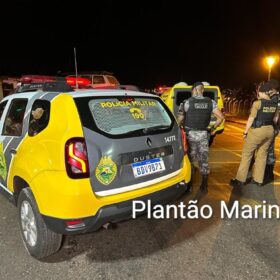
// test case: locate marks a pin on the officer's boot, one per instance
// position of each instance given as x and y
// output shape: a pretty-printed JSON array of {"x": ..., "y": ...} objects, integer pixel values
[
  {"x": 190, "y": 184},
  {"x": 204, "y": 184},
  {"x": 268, "y": 174}
]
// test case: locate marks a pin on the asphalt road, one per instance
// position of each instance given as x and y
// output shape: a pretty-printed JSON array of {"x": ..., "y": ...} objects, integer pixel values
[{"x": 165, "y": 249}]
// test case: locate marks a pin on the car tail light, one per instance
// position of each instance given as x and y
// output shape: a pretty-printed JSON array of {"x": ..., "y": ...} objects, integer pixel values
[
  {"x": 184, "y": 140},
  {"x": 75, "y": 224},
  {"x": 72, "y": 81},
  {"x": 28, "y": 79},
  {"x": 76, "y": 158}
]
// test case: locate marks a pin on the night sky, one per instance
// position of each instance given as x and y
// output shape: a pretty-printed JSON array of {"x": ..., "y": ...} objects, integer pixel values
[{"x": 146, "y": 43}]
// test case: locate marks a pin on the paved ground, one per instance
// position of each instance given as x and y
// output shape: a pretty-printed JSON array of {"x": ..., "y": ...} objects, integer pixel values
[{"x": 165, "y": 249}]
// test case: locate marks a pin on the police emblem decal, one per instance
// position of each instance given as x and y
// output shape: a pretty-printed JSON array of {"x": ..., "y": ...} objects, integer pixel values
[
  {"x": 3, "y": 167},
  {"x": 106, "y": 171}
]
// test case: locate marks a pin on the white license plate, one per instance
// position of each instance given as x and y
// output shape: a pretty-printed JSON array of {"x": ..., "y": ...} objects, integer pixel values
[{"x": 148, "y": 167}]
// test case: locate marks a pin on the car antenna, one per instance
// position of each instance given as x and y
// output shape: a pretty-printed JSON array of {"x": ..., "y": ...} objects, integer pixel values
[{"x": 76, "y": 67}]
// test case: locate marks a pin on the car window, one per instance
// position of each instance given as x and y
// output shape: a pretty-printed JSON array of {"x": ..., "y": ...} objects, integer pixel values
[
  {"x": 14, "y": 120},
  {"x": 112, "y": 80},
  {"x": 39, "y": 117},
  {"x": 182, "y": 94},
  {"x": 123, "y": 115},
  {"x": 97, "y": 79},
  {"x": 2, "y": 107},
  {"x": 8, "y": 88}
]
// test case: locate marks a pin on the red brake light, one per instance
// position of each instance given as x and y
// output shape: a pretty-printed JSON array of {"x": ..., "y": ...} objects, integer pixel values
[
  {"x": 184, "y": 140},
  {"x": 28, "y": 79},
  {"x": 80, "y": 81},
  {"x": 75, "y": 224},
  {"x": 76, "y": 159}
]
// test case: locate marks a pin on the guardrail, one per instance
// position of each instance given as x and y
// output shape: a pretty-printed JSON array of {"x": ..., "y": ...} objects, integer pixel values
[{"x": 237, "y": 107}]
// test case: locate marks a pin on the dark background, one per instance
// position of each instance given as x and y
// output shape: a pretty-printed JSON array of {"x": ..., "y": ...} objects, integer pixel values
[{"x": 146, "y": 43}]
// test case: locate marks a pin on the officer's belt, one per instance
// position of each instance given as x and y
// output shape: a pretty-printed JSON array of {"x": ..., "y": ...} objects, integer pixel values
[
  {"x": 195, "y": 129},
  {"x": 258, "y": 124}
]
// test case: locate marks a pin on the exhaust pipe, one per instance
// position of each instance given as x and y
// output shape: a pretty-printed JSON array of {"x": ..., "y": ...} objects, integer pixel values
[{"x": 108, "y": 226}]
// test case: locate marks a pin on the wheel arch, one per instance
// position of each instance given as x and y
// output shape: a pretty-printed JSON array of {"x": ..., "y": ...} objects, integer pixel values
[{"x": 18, "y": 184}]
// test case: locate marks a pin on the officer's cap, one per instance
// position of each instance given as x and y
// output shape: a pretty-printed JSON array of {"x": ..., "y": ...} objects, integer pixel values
[
  {"x": 265, "y": 87},
  {"x": 197, "y": 84}
]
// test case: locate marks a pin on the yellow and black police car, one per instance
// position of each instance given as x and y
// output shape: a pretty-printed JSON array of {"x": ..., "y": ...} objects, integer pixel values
[
  {"x": 75, "y": 161},
  {"x": 175, "y": 95}
]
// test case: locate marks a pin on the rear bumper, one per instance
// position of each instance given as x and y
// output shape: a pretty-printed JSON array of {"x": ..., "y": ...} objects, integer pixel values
[{"x": 114, "y": 213}]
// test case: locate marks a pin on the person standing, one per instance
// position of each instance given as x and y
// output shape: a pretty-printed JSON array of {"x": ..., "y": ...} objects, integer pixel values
[
  {"x": 258, "y": 135},
  {"x": 195, "y": 115},
  {"x": 270, "y": 162}
]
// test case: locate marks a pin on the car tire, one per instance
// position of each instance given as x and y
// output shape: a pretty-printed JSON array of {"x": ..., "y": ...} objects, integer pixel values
[{"x": 39, "y": 241}]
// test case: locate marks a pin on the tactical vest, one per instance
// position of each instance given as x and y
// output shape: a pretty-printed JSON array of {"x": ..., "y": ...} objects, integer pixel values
[
  {"x": 266, "y": 113},
  {"x": 275, "y": 97},
  {"x": 198, "y": 115}
]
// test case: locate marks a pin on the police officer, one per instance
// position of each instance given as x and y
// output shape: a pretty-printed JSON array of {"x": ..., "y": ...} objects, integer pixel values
[
  {"x": 270, "y": 162},
  {"x": 258, "y": 134},
  {"x": 195, "y": 114}
]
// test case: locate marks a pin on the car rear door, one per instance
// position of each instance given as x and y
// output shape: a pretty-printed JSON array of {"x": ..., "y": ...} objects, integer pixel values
[
  {"x": 132, "y": 143},
  {"x": 181, "y": 94}
]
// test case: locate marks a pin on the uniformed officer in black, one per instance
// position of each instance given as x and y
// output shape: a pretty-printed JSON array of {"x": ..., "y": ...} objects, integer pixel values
[
  {"x": 258, "y": 135},
  {"x": 195, "y": 114}
]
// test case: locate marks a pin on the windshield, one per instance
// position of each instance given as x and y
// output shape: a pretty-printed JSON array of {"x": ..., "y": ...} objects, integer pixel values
[
  {"x": 183, "y": 94},
  {"x": 125, "y": 115}
]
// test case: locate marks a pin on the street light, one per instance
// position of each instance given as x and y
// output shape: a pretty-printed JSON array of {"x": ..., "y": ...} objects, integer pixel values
[{"x": 270, "y": 61}]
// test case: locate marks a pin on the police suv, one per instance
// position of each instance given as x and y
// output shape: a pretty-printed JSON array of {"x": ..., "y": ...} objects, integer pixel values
[{"x": 72, "y": 162}]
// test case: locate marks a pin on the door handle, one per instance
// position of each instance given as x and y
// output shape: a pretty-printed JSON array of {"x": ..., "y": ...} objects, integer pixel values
[{"x": 13, "y": 151}]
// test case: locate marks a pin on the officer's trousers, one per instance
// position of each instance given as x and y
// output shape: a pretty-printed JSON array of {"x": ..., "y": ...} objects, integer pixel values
[
  {"x": 198, "y": 149},
  {"x": 257, "y": 139}
]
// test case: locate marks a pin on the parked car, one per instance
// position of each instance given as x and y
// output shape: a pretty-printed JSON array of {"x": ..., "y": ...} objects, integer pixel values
[
  {"x": 30, "y": 83},
  {"x": 98, "y": 79},
  {"x": 130, "y": 87},
  {"x": 72, "y": 162},
  {"x": 9, "y": 85},
  {"x": 175, "y": 95}
]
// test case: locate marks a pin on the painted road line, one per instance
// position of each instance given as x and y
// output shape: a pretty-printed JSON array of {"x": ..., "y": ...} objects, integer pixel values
[
  {"x": 236, "y": 137},
  {"x": 234, "y": 127},
  {"x": 276, "y": 173},
  {"x": 228, "y": 150}
]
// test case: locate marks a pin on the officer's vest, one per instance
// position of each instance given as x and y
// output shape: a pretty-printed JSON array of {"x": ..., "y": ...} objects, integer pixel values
[
  {"x": 275, "y": 97},
  {"x": 198, "y": 115},
  {"x": 266, "y": 113}
]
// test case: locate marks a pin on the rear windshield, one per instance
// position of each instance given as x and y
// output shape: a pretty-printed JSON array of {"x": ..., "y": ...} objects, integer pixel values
[
  {"x": 112, "y": 80},
  {"x": 182, "y": 94},
  {"x": 120, "y": 116}
]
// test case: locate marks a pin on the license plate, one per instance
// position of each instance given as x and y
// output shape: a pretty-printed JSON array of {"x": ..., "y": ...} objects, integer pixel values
[{"x": 148, "y": 167}]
